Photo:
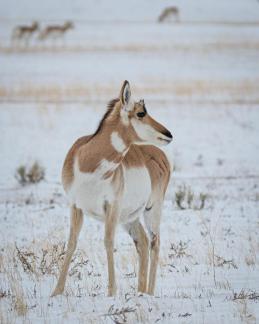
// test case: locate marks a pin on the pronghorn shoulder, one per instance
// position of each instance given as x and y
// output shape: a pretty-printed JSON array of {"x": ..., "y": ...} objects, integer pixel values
[
  {"x": 134, "y": 158},
  {"x": 152, "y": 152},
  {"x": 156, "y": 160}
]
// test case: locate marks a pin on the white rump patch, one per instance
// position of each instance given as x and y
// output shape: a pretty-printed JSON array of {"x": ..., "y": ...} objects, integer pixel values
[{"x": 117, "y": 142}]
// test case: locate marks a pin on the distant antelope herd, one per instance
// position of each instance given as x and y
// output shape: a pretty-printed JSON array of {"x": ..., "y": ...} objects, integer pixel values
[
  {"x": 55, "y": 31},
  {"x": 25, "y": 32}
]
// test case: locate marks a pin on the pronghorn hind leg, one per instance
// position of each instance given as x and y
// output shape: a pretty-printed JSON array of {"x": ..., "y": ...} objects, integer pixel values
[
  {"x": 152, "y": 221},
  {"x": 111, "y": 219},
  {"x": 138, "y": 234},
  {"x": 76, "y": 222},
  {"x": 154, "y": 257}
]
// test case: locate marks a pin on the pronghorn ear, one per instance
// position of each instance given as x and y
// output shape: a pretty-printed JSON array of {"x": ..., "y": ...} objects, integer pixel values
[{"x": 125, "y": 93}]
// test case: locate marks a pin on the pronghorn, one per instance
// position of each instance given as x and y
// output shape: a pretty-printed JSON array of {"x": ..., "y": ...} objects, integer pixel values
[
  {"x": 116, "y": 175},
  {"x": 25, "y": 31},
  {"x": 169, "y": 12},
  {"x": 55, "y": 30}
]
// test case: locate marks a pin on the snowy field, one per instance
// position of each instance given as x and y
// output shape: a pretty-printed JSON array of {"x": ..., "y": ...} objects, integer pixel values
[{"x": 199, "y": 76}]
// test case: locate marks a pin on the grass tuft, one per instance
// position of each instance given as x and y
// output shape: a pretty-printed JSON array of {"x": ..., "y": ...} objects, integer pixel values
[
  {"x": 30, "y": 174},
  {"x": 186, "y": 199}
]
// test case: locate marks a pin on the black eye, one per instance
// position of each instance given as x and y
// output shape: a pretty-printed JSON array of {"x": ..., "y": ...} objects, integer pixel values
[{"x": 141, "y": 114}]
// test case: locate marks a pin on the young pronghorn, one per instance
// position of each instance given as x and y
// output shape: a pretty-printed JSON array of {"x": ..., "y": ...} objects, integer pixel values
[
  {"x": 25, "y": 31},
  {"x": 110, "y": 177},
  {"x": 55, "y": 31}
]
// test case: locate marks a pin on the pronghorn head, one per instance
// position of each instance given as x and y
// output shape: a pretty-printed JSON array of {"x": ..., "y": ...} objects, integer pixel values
[
  {"x": 135, "y": 115},
  {"x": 35, "y": 25},
  {"x": 69, "y": 25}
]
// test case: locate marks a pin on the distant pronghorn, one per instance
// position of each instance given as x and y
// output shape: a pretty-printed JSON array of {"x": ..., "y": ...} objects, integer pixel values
[
  {"x": 168, "y": 13},
  {"x": 115, "y": 176},
  {"x": 55, "y": 31},
  {"x": 25, "y": 31}
]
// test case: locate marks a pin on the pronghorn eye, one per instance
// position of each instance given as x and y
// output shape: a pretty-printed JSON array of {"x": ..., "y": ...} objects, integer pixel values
[{"x": 141, "y": 114}]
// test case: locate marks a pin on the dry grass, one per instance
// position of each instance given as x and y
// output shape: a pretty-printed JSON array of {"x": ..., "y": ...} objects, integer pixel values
[
  {"x": 14, "y": 282},
  {"x": 244, "y": 314},
  {"x": 179, "y": 250},
  {"x": 33, "y": 265},
  {"x": 250, "y": 260},
  {"x": 246, "y": 294},
  {"x": 119, "y": 315},
  {"x": 210, "y": 236},
  {"x": 30, "y": 174},
  {"x": 181, "y": 90},
  {"x": 19, "y": 301},
  {"x": 251, "y": 257},
  {"x": 222, "y": 262},
  {"x": 186, "y": 199},
  {"x": 48, "y": 259},
  {"x": 133, "y": 47}
]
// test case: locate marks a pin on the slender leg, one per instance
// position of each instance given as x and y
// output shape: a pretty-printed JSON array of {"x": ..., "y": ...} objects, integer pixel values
[
  {"x": 154, "y": 256},
  {"x": 152, "y": 221},
  {"x": 110, "y": 225},
  {"x": 76, "y": 222},
  {"x": 138, "y": 234}
]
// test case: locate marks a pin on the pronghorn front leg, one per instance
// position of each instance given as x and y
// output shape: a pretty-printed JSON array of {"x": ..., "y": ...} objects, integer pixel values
[
  {"x": 138, "y": 234},
  {"x": 152, "y": 220},
  {"x": 111, "y": 219},
  {"x": 76, "y": 222}
]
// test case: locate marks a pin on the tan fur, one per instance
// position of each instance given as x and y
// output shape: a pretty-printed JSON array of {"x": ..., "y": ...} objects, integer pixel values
[
  {"x": 88, "y": 155},
  {"x": 158, "y": 167},
  {"x": 110, "y": 225},
  {"x": 25, "y": 30},
  {"x": 55, "y": 29},
  {"x": 76, "y": 224},
  {"x": 89, "y": 152},
  {"x": 67, "y": 171},
  {"x": 141, "y": 242}
]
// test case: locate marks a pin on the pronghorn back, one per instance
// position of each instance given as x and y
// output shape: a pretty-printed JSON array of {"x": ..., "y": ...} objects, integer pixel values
[{"x": 68, "y": 167}]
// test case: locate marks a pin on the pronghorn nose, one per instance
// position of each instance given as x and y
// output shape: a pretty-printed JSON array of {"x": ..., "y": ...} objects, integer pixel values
[{"x": 167, "y": 134}]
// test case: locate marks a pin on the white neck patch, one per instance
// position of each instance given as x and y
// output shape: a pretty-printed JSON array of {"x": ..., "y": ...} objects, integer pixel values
[{"x": 117, "y": 142}]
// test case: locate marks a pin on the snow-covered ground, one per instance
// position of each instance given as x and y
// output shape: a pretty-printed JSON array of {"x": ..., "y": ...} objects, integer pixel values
[{"x": 200, "y": 78}]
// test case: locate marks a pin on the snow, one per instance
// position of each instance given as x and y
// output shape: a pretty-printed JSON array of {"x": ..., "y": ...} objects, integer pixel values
[{"x": 200, "y": 79}]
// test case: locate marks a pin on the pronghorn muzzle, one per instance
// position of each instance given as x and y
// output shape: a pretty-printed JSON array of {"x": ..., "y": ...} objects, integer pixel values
[{"x": 166, "y": 136}]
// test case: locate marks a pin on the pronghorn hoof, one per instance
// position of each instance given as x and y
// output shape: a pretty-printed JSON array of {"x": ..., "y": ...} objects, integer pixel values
[
  {"x": 56, "y": 292},
  {"x": 111, "y": 292}
]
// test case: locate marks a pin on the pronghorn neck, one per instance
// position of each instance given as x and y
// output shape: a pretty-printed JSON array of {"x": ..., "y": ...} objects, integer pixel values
[
  {"x": 106, "y": 149},
  {"x": 114, "y": 139}
]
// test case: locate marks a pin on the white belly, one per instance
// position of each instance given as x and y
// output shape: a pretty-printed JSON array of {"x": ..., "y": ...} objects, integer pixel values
[
  {"x": 137, "y": 190},
  {"x": 89, "y": 192}
]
